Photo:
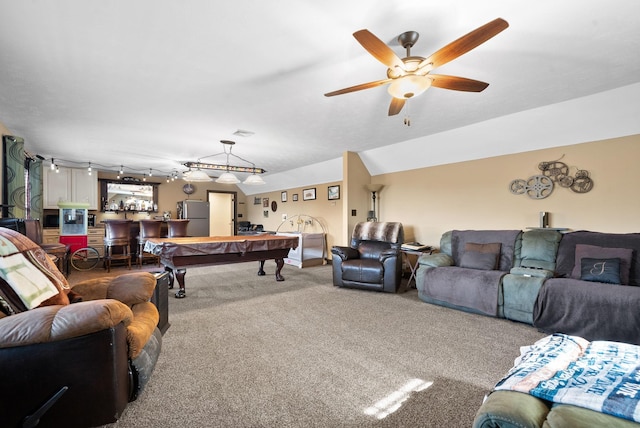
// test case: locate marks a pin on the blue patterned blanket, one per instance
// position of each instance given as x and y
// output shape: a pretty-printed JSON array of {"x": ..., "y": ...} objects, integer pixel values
[{"x": 600, "y": 375}]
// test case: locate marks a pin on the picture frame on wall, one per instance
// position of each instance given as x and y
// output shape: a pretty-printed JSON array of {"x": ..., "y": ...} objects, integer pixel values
[
  {"x": 309, "y": 194},
  {"x": 333, "y": 192},
  {"x": 257, "y": 200},
  {"x": 283, "y": 197},
  {"x": 294, "y": 197},
  {"x": 265, "y": 202},
  {"x": 265, "y": 213}
]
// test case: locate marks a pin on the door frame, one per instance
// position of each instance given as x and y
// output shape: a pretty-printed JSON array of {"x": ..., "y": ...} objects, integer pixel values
[{"x": 235, "y": 205}]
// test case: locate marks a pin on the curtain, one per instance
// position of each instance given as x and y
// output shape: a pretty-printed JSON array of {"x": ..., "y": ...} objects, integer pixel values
[
  {"x": 33, "y": 169},
  {"x": 13, "y": 177}
]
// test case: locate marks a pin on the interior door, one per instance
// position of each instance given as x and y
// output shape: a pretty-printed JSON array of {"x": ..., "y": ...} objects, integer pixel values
[{"x": 222, "y": 213}]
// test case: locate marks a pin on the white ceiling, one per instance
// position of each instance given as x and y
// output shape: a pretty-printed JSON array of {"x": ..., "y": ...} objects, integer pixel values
[{"x": 155, "y": 83}]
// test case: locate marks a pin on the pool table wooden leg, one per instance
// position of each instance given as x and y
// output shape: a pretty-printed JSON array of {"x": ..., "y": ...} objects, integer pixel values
[{"x": 279, "y": 264}]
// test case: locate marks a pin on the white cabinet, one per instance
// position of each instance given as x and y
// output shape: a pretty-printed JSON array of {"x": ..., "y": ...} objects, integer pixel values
[
  {"x": 56, "y": 187},
  {"x": 84, "y": 187},
  {"x": 69, "y": 185}
]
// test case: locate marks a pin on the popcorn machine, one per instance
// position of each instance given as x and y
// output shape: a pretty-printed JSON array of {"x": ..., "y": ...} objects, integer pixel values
[{"x": 73, "y": 224}]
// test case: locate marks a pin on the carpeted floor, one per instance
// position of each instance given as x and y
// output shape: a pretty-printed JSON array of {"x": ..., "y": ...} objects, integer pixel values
[{"x": 247, "y": 351}]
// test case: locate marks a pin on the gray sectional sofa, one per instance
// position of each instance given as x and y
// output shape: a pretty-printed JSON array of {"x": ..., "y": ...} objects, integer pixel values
[
  {"x": 580, "y": 283},
  {"x": 540, "y": 278}
]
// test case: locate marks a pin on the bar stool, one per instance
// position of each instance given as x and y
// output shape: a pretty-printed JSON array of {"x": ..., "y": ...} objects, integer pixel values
[
  {"x": 118, "y": 234},
  {"x": 148, "y": 229},
  {"x": 177, "y": 228}
]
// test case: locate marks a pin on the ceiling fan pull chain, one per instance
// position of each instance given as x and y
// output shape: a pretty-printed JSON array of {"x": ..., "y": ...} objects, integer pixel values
[{"x": 407, "y": 117}]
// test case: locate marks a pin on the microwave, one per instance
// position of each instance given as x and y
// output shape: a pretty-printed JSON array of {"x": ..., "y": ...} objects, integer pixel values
[{"x": 51, "y": 220}]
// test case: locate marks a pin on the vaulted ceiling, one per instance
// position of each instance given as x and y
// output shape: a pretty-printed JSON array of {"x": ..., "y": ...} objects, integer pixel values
[{"x": 151, "y": 84}]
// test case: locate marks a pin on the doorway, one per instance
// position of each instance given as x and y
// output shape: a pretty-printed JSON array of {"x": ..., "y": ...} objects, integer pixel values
[{"x": 222, "y": 213}]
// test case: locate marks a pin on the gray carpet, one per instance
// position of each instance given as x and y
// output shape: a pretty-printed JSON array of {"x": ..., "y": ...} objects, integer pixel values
[{"x": 247, "y": 351}]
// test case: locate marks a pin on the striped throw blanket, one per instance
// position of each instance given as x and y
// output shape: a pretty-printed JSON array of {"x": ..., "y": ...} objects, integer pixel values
[{"x": 600, "y": 375}]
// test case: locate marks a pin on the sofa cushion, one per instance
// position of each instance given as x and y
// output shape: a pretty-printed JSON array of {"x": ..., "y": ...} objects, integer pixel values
[
  {"x": 590, "y": 310},
  {"x": 508, "y": 239},
  {"x": 592, "y": 251},
  {"x": 567, "y": 248},
  {"x": 490, "y": 248},
  {"x": 479, "y": 260},
  {"x": 468, "y": 289},
  {"x": 372, "y": 249},
  {"x": 600, "y": 270},
  {"x": 540, "y": 248}
]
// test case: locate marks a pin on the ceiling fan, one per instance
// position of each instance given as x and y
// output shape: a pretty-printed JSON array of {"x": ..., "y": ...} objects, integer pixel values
[{"x": 410, "y": 76}]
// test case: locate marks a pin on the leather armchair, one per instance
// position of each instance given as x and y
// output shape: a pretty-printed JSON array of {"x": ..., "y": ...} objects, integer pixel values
[
  {"x": 373, "y": 260},
  {"x": 74, "y": 364}
]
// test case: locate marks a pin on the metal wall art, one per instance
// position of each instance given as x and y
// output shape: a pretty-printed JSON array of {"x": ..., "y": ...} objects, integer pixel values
[{"x": 553, "y": 172}]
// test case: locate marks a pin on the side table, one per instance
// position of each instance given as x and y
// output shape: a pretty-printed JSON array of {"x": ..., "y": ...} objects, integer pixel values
[
  {"x": 160, "y": 298},
  {"x": 413, "y": 263}
]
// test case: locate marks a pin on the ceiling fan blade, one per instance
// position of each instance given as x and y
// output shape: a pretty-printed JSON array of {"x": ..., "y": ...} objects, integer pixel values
[
  {"x": 378, "y": 49},
  {"x": 358, "y": 87},
  {"x": 396, "y": 105},
  {"x": 457, "y": 83},
  {"x": 465, "y": 43}
]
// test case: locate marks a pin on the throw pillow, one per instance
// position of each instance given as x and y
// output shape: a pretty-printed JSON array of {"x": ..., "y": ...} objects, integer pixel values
[
  {"x": 595, "y": 252},
  {"x": 600, "y": 270},
  {"x": 478, "y": 260},
  {"x": 491, "y": 248}
]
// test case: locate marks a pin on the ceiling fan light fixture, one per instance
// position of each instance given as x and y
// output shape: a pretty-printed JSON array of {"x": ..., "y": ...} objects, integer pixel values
[
  {"x": 227, "y": 178},
  {"x": 409, "y": 86}
]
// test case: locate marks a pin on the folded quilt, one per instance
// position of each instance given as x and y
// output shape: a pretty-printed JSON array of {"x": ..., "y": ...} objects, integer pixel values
[{"x": 600, "y": 375}]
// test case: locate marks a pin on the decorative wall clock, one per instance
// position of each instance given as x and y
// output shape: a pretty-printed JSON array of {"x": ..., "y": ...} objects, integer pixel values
[{"x": 188, "y": 188}]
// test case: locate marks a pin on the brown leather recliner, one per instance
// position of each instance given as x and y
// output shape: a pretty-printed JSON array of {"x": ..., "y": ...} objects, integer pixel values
[
  {"x": 373, "y": 260},
  {"x": 70, "y": 364}
]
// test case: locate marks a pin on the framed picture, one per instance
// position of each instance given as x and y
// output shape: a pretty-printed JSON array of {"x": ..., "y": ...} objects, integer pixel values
[
  {"x": 265, "y": 202},
  {"x": 333, "y": 192},
  {"x": 294, "y": 197},
  {"x": 283, "y": 197},
  {"x": 265, "y": 213},
  {"x": 257, "y": 200},
  {"x": 309, "y": 194}
]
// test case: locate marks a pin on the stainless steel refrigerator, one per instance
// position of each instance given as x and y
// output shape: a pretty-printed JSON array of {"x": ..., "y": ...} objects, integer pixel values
[{"x": 197, "y": 212}]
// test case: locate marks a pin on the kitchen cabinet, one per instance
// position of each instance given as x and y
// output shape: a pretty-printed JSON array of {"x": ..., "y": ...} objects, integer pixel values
[
  {"x": 50, "y": 236},
  {"x": 95, "y": 239},
  {"x": 69, "y": 185}
]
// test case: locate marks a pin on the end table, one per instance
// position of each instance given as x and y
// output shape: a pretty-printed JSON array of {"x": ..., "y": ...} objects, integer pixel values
[{"x": 413, "y": 263}]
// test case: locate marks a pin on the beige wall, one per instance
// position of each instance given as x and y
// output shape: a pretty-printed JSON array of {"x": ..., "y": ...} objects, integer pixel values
[
  {"x": 355, "y": 176},
  {"x": 328, "y": 213},
  {"x": 465, "y": 195},
  {"x": 475, "y": 194}
]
